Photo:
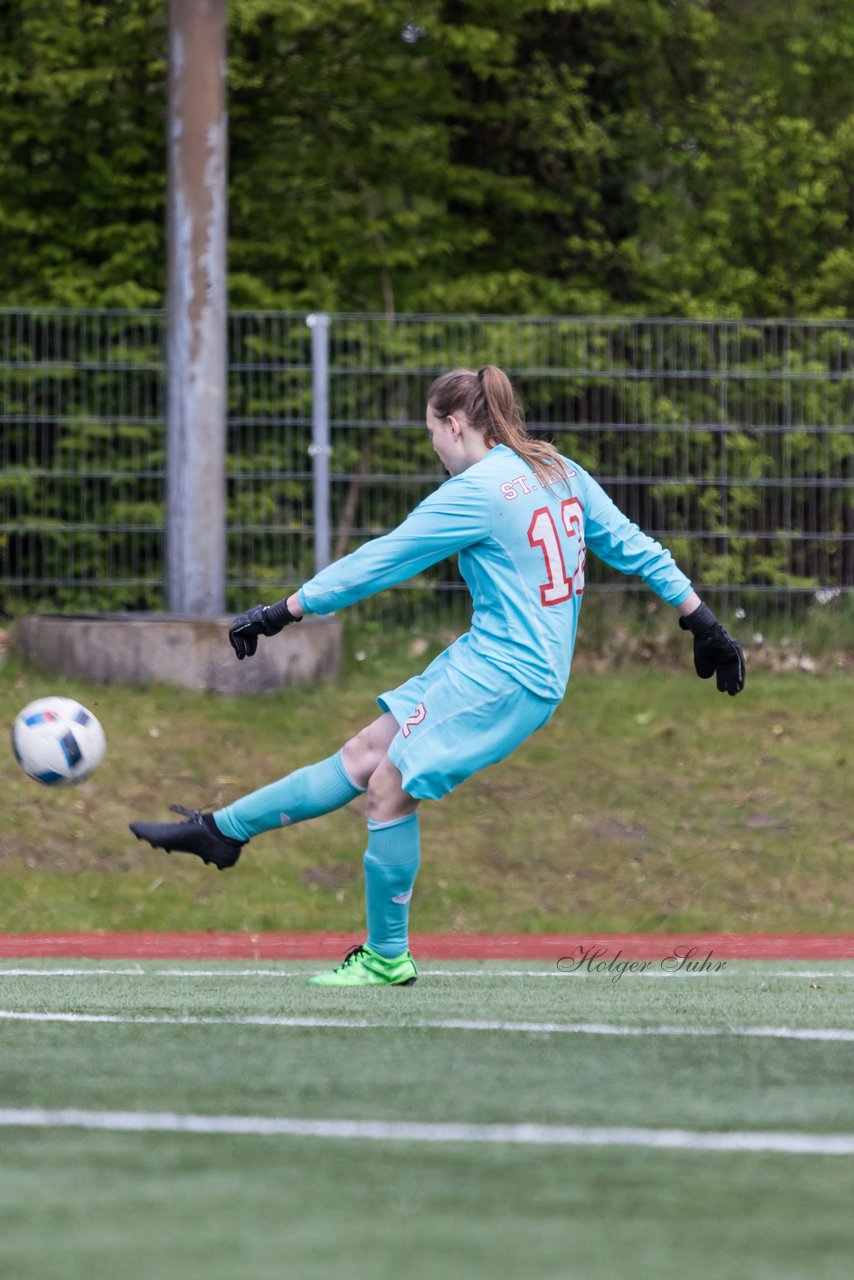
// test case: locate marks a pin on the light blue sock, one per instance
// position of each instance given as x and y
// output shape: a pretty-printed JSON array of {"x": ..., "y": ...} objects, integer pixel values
[
  {"x": 391, "y": 865},
  {"x": 305, "y": 793}
]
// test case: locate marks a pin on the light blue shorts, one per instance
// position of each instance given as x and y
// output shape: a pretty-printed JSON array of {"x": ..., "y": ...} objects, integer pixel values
[{"x": 452, "y": 723}]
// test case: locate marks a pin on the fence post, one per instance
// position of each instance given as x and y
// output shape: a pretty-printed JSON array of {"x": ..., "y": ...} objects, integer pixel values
[{"x": 320, "y": 449}]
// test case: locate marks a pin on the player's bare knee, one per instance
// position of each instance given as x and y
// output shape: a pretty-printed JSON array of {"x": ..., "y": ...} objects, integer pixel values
[
  {"x": 359, "y": 759},
  {"x": 363, "y": 753},
  {"x": 386, "y": 799}
]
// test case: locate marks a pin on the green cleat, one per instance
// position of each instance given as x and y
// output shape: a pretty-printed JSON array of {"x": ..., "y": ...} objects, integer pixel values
[{"x": 363, "y": 967}]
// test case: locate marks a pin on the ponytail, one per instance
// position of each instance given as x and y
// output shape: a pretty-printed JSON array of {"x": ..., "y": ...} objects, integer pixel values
[{"x": 489, "y": 402}]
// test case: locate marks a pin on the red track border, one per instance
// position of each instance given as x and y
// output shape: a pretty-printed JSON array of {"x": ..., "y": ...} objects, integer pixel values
[{"x": 426, "y": 946}]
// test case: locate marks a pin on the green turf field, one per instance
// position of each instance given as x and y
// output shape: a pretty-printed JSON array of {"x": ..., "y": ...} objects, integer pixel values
[{"x": 590, "y": 1074}]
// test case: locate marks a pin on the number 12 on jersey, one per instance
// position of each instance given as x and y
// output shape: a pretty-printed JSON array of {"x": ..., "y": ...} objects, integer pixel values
[{"x": 543, "y": 533}]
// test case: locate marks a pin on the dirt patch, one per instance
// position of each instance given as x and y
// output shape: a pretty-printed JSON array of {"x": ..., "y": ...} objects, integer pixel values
[
  {"x": 613, "y": 829},
  {"x": 766, "y": 822},
  {"x": 337, "y": 876}
]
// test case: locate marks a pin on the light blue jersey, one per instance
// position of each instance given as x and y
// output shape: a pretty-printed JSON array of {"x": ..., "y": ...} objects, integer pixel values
[{"x": 521, "y": 549}]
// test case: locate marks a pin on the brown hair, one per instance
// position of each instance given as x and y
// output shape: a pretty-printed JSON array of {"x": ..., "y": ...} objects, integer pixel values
[{"x": 489, "y": 402}]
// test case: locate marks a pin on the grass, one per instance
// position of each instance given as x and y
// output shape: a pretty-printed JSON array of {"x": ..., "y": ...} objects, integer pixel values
[
  {"x": 649, "y": 802},
  {"x": 74, "y": 1203}
]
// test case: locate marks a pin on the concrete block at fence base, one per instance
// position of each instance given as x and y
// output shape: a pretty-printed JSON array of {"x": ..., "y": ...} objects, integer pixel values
[{"x": 159, "y": 648}]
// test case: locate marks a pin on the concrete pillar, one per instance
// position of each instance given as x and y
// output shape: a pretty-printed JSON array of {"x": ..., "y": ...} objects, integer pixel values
[{"x": 196, "y": 301}]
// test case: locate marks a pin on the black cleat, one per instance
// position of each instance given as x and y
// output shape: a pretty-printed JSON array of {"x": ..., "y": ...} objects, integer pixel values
[{"x": 198, "y": 834}]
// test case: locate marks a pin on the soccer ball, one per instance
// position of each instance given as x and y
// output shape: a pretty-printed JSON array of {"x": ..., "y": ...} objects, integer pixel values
[{"x": 57, "y": 741}]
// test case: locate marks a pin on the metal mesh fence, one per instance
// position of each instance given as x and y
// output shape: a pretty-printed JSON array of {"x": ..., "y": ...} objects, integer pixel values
[
  {"x": 82, "y": 405},
  {"x": 730, "y": 441}
]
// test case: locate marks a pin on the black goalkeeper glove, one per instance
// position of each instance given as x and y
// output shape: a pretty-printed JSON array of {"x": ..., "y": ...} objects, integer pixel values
[
  {"x": 263, "y": 620},
  {"x": 715, "y": 651}
]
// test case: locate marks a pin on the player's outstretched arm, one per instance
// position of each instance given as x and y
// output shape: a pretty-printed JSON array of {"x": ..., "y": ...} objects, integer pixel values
[
  {"x": 262, "y": 620},
  {"x": 716, "y": 652},
  {"x": 453, "y": 517}
]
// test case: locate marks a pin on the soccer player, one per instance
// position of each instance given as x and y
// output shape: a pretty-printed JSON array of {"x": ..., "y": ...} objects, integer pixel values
[{"x": 521, "y": 518}]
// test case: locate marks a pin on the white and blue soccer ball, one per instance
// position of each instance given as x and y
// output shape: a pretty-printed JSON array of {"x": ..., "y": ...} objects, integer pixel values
[{"x": 58, "y": 741}]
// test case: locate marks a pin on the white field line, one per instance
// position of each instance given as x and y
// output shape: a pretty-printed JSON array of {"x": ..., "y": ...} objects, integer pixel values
[
  {"x": 408, "y": 1131},
  {"x": 837, "y": 1034},
  {"x": 730, "y": 972}
]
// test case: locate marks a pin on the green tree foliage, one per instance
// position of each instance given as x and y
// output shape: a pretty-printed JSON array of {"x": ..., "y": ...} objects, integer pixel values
[
  {"x": 82, "y": 151},
  {"x": 513, "y": 156},
  {"x": 746, "y": 192},
  {"x": 516, "y": 157}
]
